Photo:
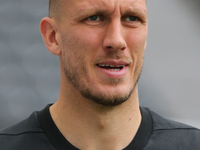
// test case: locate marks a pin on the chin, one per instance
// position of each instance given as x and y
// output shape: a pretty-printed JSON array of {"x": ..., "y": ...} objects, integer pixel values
[{"x": 112, "y": 97}]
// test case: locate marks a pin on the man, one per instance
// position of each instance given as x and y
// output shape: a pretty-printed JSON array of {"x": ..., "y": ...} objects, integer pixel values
[{"x": 100, "y": 44}]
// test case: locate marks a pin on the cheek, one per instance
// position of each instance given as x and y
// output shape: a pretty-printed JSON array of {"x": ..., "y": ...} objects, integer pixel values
[
  {"x": 85, "y": 39},
  {"x": 70, "y": 51},
  {"x": 137, "y": 42},
  {"x": 84, "y": 45},
  {"x": 79, "y": 48},
  {"x": 72, "y": 47}
]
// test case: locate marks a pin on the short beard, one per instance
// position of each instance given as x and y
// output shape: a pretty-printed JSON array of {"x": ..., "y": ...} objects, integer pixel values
[
  {"x": 102, "y": 98},
  {"x": 107, "y": 99}
]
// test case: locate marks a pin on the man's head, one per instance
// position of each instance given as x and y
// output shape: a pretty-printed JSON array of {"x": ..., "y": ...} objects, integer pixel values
[{"x": 100, "y": 44}]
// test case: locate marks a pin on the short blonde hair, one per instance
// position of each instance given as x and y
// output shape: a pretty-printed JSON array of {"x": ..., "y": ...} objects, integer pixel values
[{"x": 55, "y": 9}]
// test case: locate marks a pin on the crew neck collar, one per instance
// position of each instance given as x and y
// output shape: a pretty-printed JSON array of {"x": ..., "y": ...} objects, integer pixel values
[{"x": 59, "y": 141}]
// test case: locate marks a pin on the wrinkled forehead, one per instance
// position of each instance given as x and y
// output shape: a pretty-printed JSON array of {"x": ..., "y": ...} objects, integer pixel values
[
  {"x": 112, "y": 3},
  {"x": 105, "y": 5}
]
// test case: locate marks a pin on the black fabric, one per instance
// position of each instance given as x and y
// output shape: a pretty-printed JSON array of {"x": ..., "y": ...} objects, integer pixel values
[
  {"x": 171, "y": 135},
  {"x": 52, "y": 132},
  {"x": 59, "y": 141},
  {"x": 26, "y": 135},
  {"x": 144, "y": 132},
  {"x": 38, "y": 132}
]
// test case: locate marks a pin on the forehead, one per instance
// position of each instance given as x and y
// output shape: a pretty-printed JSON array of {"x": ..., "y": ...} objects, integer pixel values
[{"x": 104, "y": 5}]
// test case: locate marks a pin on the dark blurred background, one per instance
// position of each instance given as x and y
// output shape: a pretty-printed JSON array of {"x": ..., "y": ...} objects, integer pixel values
[{"x": 170, "y": 82}]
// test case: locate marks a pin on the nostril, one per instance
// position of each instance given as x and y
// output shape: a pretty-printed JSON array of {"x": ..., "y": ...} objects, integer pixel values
[
  {"x": 109, "y": 47},
  {"x": 123, "y": 48}
]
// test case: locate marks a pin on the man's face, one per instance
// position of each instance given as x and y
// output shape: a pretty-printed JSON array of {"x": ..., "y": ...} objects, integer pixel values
[{"x": 102, "y": 43}]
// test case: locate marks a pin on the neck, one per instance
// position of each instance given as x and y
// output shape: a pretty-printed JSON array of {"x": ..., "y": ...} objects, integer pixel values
[{"x": 87, "y": 125}]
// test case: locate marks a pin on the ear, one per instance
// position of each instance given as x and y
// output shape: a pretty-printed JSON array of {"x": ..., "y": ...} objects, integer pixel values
[{"x": 48, "y": 31}]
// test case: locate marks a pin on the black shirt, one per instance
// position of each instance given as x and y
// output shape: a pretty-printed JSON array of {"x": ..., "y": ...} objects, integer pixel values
[{"x": 39, "y": 132}]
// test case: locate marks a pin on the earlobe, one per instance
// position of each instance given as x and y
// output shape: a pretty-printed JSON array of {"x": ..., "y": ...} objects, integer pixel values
[{"x": 48, "y": 31}]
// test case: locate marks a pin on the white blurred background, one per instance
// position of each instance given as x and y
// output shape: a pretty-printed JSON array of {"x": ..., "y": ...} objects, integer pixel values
[{"x": 170, "y": 81}]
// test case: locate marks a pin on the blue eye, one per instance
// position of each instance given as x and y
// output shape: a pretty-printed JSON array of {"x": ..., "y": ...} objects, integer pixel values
[
  {"x": 94, "y": 18},
  {"x": 132, "y": 18}
]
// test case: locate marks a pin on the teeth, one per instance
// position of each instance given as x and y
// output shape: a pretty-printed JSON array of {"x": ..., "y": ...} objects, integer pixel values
[
  {"x": 104, "y": 65},
  {"x": 114, "y": 69},
  {"x": 101, "y": 65}
]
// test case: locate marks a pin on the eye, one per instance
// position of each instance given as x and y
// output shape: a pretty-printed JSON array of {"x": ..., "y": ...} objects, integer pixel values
[
  {"x": 131, "y": 18},
  {"x": 94, "y": 18},
  {"x": 132, "y": 21}
]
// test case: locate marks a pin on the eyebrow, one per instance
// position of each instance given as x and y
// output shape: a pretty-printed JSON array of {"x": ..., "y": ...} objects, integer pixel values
[
  {"x": 137, "y": 11},
  {"x": 131, "y": 10},
  {"x": 90, "y": 11}
]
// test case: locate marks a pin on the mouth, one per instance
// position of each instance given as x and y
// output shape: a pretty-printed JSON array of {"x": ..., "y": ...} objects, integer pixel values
[
  {"x": 111, "y": 67},
  {"x": 115, "y": 69}
]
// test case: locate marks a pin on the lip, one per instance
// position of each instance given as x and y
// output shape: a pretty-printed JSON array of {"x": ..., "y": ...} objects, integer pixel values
[
  {"x": 106, "y": 73},
  {"x": 114, "y": 62}
]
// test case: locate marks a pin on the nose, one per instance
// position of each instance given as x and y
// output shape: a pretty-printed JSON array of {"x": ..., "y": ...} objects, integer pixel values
[{"x": 114, "y": 38}]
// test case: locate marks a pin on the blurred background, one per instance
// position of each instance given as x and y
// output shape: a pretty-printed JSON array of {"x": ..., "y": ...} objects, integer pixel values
[{"x": 170, "y": 81}]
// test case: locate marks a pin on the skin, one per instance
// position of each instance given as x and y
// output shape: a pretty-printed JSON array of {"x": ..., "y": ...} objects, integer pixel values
[{"x": 91, "y": 33}]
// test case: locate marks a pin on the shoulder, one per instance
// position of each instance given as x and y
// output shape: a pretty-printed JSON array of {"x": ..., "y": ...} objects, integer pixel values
[
  {"x": 172, "y": 135},
  {"x": 26, "y": 133},
  {"x": 161, "y": 123},
  {"x": 26, "y": 126}
]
